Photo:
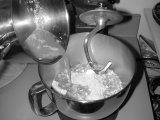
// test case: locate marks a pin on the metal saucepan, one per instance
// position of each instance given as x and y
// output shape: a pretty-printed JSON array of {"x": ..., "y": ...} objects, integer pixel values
[
  {"x": 45, "y": 21},
  {"x": 104, "y": 48}
]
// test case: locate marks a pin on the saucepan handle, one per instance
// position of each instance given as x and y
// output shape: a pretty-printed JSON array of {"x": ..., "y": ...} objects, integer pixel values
[{"x": 35, "y": 95}]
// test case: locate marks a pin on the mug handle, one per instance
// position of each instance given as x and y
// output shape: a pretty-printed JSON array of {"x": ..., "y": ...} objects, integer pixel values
[{"x": 35, "y": 99}]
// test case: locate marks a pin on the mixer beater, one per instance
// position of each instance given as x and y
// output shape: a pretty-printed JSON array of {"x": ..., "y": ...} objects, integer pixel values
[{"x": 99, "y": 17}]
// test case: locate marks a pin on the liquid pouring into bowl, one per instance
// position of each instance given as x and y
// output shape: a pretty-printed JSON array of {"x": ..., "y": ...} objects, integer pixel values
[
  {"x": 42, "y": 28},
  {"x": 99, "y": 17},
  {"x": 43, "y": 46}
]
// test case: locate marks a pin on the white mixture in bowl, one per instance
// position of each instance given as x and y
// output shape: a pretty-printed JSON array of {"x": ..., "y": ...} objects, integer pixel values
[{"x": 85, "y": 85}]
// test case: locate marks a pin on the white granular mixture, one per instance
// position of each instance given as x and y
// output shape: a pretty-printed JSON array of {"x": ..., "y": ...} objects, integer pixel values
[{"x": 86, "y": 85}]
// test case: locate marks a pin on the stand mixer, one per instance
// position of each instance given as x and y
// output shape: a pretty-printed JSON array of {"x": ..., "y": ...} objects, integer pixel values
[
  {"x": 83, "y": 48},
  {"x": 101, "y": 15}
]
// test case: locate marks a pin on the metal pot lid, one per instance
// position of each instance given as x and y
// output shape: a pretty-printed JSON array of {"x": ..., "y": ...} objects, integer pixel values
[{"x": 90, "y": 17}]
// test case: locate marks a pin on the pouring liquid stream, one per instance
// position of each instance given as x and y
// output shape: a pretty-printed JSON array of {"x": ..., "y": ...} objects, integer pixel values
[{"x": 43, "y": 47}]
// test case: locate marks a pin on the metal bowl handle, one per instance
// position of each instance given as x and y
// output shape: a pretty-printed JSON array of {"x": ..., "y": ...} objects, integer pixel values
[{"x": 35, "y": 98}]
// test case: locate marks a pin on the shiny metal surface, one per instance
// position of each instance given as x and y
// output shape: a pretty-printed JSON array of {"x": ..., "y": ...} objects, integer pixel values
[
  {"x": 26, "y": 16},
  {"x": 5, "y": 17},
  {"x": 149, "y": 42},
  {"x": 50, "y": 15},
  {"x": 35, "y": 97},
  {"x": 7, "y": 40},
  {"x": 46, "y": 15},
  {"x": 112, "y": 17},
  {"x": 6, "y": 27},
  {"x": 82, "y": 6},
  {"x": 99, "y": 17},
  {"x": 124, "y": 66},
  {"x": 84, "y": 3}
]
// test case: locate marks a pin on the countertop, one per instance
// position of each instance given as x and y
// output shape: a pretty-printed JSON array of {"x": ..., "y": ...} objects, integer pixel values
[{"x": 14, "y": 104}]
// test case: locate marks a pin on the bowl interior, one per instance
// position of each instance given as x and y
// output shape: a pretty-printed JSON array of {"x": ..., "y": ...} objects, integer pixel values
[{"x": 103, "y": 48}]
